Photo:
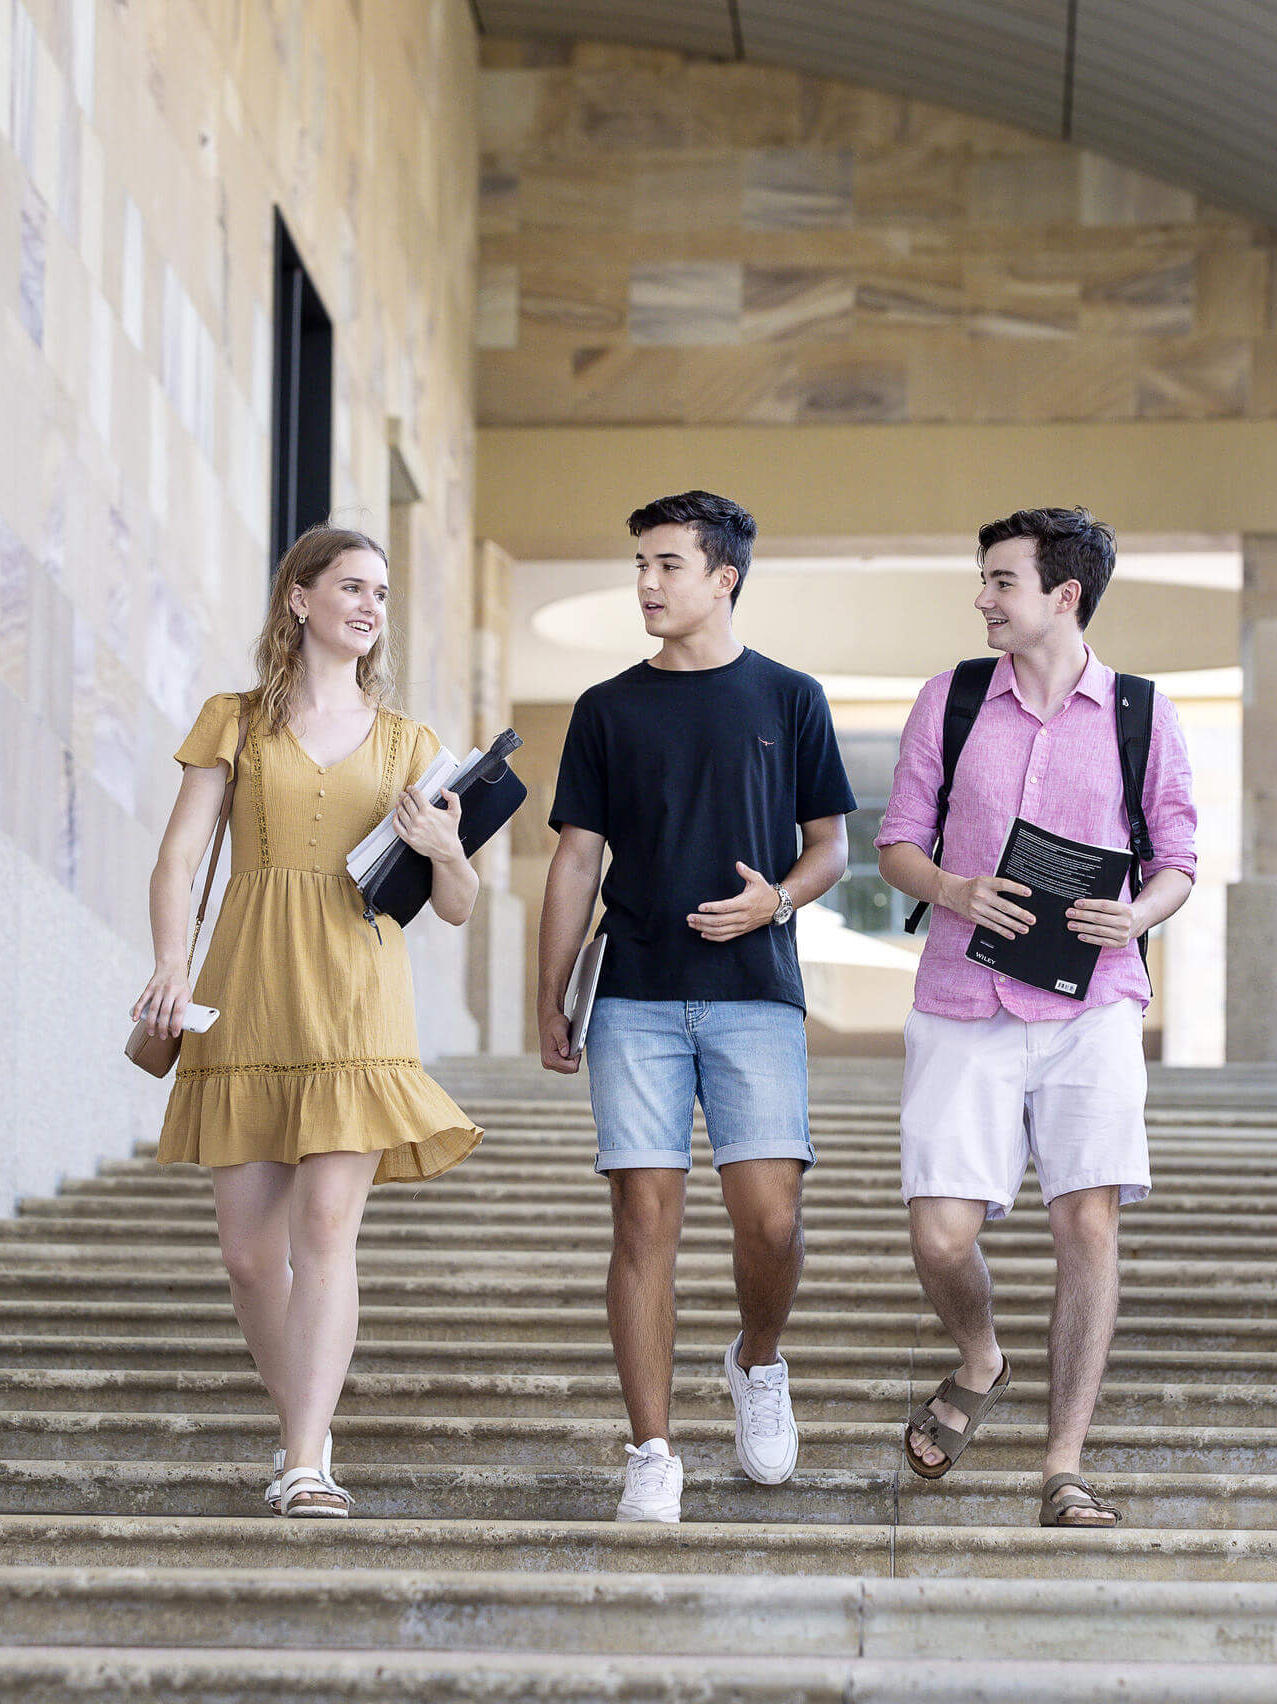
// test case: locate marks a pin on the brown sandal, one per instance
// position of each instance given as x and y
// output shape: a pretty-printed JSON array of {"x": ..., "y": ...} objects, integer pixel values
[
  {"x": 977, "y": 1405},
  {"x": 1081, "y": 1498}
]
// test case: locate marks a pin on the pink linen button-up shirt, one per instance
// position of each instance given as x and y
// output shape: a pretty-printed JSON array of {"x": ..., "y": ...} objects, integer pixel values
[{"x": 1063, "y": 775}]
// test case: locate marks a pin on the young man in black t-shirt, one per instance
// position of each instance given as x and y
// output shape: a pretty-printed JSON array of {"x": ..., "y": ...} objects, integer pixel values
[{"x": 696, "y": 769}]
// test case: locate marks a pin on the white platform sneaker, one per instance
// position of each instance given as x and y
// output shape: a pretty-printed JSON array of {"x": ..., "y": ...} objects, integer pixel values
[
  {"x": 653, "y": 1485},
  {"x": 766, "y": 1436}
]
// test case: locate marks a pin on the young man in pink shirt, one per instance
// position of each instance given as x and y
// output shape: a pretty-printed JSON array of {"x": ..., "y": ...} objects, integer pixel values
[{"x": 995, "y": 1069}]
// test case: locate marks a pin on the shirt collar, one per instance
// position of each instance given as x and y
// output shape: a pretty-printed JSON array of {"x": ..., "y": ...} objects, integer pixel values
[{"x": 1094, "y": 680}]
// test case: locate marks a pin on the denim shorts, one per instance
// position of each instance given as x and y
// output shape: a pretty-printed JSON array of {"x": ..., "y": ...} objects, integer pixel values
[{"x": 744, "y": 1060}]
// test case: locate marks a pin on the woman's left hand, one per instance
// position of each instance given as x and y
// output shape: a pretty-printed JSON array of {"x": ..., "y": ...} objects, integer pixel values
[{"x": 433, "y": 832}]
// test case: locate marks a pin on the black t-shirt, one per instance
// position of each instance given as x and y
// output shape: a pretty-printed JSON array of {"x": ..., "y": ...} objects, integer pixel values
[{"x": 683, "y": 772}]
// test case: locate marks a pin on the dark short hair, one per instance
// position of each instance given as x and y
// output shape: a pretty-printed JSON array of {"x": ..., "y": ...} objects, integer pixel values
[
  {"x": 1071, "y": 545},
  {"x": 724, "y": 531}
]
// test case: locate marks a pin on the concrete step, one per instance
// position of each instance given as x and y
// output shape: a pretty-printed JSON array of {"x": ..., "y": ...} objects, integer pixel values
[
  {"x": 47, "y": 1675},
  {"x": 1223, "y": 1626},
  {"x": 179, "y": 1390},
  {"x": 537, "y": 1239},
  {"x": 466, "y": 1490},
  {"x": 1139, "y": 1353},
  {"x": 61, "y": 1300},
  {"x": 849, "y": 1442},
  {"x": 1235, "y": 1217},
  {"x": 961, "y": 1552},
  {"x": 502, "y": 1265}
]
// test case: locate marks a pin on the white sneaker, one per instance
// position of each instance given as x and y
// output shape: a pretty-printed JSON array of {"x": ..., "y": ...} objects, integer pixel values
[
  {"x": 766, "y": 1436},
  {"x": 653, "y": 1486}
]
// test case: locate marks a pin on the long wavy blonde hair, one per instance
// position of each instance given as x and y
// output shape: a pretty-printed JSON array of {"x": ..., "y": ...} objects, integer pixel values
[{"x": 278, "y": 653}]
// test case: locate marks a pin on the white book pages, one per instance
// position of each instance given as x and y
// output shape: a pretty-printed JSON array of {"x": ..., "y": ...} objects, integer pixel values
[{"x": 362, "y": 857}]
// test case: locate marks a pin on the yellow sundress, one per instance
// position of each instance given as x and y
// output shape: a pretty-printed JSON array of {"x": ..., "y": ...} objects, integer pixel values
[{"x": 316, "y": 1047}]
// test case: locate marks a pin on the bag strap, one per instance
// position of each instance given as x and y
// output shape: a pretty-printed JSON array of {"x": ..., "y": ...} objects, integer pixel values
[
  {"x": 967, "y": 692},
  {"x": 219, "y": 834},
  {"x": 1133, "y": 709}
]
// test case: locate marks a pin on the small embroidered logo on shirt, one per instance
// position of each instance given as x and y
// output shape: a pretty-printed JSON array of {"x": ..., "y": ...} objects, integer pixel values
[{"x": 763, "y": 742}]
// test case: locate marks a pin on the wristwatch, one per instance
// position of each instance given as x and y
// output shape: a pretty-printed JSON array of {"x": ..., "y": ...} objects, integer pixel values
[{"x": 785, "y": 910}]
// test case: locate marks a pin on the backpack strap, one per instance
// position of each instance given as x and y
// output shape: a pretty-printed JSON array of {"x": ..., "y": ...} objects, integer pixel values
[
  {"x": 967, "y": 692},
  {"x": 1133, "y": 708}
]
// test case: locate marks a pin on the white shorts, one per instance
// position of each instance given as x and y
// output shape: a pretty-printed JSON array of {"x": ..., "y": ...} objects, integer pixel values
[{"x": 982, "y": 1094}]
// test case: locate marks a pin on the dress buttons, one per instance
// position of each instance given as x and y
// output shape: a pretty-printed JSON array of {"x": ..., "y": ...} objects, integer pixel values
[
  {"x": 321, "y": 792},
  {"x": 323, "y": 772},
  {"x": 317, "y": 816},
  {"x": 314, "y": 843}
]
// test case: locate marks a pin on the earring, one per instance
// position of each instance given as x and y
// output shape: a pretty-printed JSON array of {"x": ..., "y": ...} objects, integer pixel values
[{"x": 301, "y": 619}]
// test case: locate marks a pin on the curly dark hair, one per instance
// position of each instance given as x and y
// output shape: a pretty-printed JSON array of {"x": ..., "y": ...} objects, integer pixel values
[
  {"x": 1071, "y": 545},
  {"x": 724, "y": 531}
]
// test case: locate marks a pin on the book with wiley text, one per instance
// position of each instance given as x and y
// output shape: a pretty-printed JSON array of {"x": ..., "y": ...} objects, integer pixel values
[{"x": 1060, "y": 872}]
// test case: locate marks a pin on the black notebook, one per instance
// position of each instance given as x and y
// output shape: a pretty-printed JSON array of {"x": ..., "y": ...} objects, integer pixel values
[
  {"x": 1059, "y": 871},
  {"x": 399, "y": 883}
]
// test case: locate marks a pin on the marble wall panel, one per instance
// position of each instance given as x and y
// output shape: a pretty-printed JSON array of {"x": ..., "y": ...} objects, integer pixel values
[
  {"x": 1156, "y": 298},
  {"x": 32, "y": 252},
  {"x": 905, "y": 187},
  {"x": 1112, "y": 194},
  {"x": 845, "y": 389},
  {"x": 689, "y": 304},
  {"x": 843, "y": 115},
  {"x": 497, "y": 323},
  {"x": 748, "y": 106},
  {"x": 796, "y": 189},
  {"x": 1209, "y": 381},
  {"x": 1233, "y": 289},
  {"x": 15, "y": 613},
  {"x": 690, "y": 191},
  {"x": 781, "y": 303},
  {"x": 572, "y": 295},
  {"x": 592, "y": 194},
  {"x": 1040, "y": 190},
  {"x": 633, "y": 109}
]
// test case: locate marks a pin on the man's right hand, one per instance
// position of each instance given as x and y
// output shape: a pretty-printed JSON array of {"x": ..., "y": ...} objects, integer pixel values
[
  {"x": 556, "y": 1045},
  {"x": 983, "y": 900}
]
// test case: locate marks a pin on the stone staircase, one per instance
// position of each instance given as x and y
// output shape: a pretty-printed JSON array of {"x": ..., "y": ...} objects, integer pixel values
[{"x": 481, "y": 1435}]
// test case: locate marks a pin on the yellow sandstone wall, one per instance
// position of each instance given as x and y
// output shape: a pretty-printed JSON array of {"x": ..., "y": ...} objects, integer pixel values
[{"x": 143, "y": 148}]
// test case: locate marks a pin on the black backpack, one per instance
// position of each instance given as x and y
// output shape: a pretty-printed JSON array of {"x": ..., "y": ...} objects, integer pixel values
[{"x": 1133, "y": 702}]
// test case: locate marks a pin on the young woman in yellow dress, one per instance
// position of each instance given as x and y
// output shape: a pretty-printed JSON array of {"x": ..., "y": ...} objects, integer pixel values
[{"x": 309, "y": 1088}]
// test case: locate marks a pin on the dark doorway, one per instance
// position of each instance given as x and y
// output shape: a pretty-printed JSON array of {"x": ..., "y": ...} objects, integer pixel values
[{"x": 301, "y": 483}]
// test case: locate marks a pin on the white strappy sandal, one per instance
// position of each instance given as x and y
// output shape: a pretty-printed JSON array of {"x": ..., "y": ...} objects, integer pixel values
[
  {"x": 308, "y": 1493},
  {"x": 277, "y": 1469}
]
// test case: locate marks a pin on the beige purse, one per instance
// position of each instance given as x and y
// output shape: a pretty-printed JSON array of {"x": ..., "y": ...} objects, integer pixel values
[{"x": 158, "y": 1053}]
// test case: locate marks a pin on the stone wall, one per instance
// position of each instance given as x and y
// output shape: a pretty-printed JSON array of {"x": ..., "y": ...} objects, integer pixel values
[
  {"x": 674, "y": 241},
  {"x": 143, "y": 149}
]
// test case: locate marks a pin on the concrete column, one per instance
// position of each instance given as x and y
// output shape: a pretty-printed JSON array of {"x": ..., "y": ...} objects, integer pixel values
[
  {"x": 1252, "y": 902},
  {"x": 496, "y": 974}
]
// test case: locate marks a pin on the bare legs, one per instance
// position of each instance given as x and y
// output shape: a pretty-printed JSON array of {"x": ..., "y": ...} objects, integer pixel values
[
  {"x": 288, "y": 1238},
  {"x": 647, "y": 1216},
  {"x": 1084, "y": 1226},
  {"x": 956, "y": 1280},
  {"x": 763, "y": 1199}
]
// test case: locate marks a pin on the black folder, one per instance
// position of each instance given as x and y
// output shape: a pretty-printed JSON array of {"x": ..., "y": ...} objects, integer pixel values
[{"x": 399, "y": 883}]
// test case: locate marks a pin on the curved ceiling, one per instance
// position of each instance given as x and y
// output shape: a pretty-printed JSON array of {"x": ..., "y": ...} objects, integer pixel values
[{"x": 1181, "y": 89}]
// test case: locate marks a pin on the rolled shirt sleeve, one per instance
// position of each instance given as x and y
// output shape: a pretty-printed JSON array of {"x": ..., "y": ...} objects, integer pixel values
[
  {"x": 1168, "y": 796},
  {"x": 912, "y": 810}
]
